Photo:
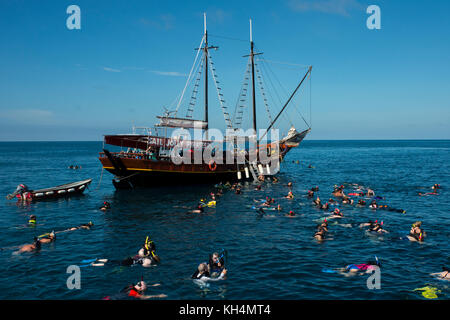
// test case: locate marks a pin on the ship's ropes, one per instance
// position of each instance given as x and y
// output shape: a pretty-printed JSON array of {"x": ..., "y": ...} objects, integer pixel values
[
  {"x": 263, "y": 94},
  {"x": 226, "y": 114},
  {"x": 242, "y": 98},
  {"x": 190, "y": 75},
  {"x": 193, "y": 100}
]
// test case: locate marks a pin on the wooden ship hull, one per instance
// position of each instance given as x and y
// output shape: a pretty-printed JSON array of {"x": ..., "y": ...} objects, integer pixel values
[{"x": 140, "y": 170}]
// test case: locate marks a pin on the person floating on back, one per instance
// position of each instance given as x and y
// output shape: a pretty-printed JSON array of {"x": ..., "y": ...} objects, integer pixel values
[{"x": 135, "y": 291}]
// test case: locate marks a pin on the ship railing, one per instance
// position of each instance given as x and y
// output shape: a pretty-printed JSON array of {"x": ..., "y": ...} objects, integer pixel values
[
  {"x": 155, "y": 157},
  {"x": 131, "y": 155}
]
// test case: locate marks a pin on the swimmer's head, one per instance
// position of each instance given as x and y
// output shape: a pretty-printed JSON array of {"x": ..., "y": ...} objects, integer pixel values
[
  {"x": 37, "y": 243},
  {"x": 202, "y": 267},
  {"x": 141, "y": 286},
  {"x": 417, "y": 224}
]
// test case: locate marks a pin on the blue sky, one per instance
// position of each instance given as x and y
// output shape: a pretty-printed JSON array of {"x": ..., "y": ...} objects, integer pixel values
[{"x": 131, "y": 58}]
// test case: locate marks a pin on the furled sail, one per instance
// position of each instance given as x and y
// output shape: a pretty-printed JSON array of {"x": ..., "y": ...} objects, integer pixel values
[{"x": 181, "y": 123}]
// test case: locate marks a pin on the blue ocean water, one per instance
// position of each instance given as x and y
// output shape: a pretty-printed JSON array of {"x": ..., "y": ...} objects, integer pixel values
[{"x": 268, "y": 257}]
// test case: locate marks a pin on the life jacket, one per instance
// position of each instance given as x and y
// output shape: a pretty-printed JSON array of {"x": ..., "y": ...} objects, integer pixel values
[{"x": 128, "y": 291}]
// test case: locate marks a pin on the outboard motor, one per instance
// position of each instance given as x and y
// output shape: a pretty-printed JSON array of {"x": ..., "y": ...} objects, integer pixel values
[{"x": 21, "y": 188}]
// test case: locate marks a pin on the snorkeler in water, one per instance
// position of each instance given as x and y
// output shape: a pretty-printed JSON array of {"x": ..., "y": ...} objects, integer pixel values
[
  {"x": 267, "y": 203},
  {"x": 127, "y": 262},
  {"x": 203, "y": 274},
  {"x": 336, "y": 214},
  {"x": 373, "y": 205},
  {"x": 106, "y": 206},
  {"x": 135, "y": 291},
  {"x": 444, "y": 275},
  {"x": 148, "y": 250},
  {"x": 199, "y": 209},
  {"x": 338, "y": 191},
  {"x": 374, "y": 226},
  {"x": 317, "y": 202},
  {"x": 310, "y": 194},
  {"x": 290, "y": 195},
  {"x": 216, "y": 263},
  {"x": 347, "y": 200},
  {"x": 436, "y": 186},
  {"x": 363, "y": 267},
  {"x": 361, "y": 202},
  {"x": 35, "y": 246},
  {"x": 86, "y": 226},
  {"x": 416, "y": 233},
  {"x": 47, "y": 237},
  {"x": 32, "y": 221},
  {"x": 320, "y": 234},
  {"x": 324, "y": 225},
  {"x": 290, "y": 214},
  {"x": 326, "y": 206}
]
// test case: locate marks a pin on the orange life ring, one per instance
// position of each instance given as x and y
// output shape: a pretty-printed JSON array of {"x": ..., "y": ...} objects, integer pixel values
[{"x": 212, "y": 168}]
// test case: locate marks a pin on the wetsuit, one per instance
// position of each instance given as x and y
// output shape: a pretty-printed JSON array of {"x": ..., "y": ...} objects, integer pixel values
[
  {"x": 205, "y": 277},
  {"x": 126, "y": 293},
  {"x": 214, "y": 267},
  {"x": 198, "y": 276},
  {"x": 130, "y": 261}
]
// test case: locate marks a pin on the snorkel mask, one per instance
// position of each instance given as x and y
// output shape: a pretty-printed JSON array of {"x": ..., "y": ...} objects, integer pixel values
[{"x": 149, "y": 245}]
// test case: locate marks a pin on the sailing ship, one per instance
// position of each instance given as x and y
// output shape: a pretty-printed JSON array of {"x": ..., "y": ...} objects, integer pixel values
[{"x": 148, "y": 159}]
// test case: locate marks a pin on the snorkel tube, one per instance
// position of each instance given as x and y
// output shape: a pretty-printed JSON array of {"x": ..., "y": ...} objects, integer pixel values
[
  {"x": 377, "y": 261},
  {"x": 150, "y": 247}
]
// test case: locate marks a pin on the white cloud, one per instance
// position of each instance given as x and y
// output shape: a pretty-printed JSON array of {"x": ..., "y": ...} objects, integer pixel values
[
  {"x": 169, "y": 73},
  {"x": 339, "y": 7},
  {"x": 111, "y": 69},
  {"x": 162, "y": 22},
  {"x": 28, "y": 116}
]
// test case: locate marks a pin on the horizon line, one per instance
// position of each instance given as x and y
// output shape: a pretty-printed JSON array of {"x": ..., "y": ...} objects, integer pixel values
[{"x": 393, "y": 139}]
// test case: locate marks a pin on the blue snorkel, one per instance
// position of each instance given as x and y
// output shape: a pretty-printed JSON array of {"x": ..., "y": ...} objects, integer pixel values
[{"x": 377, "y": 261}]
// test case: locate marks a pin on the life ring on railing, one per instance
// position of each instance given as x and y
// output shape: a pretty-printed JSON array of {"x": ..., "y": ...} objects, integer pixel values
[{"x": 211, "y": 166}]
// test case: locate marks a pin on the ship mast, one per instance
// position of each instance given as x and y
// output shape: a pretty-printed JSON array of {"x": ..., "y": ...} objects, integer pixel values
[
  {"x": 253, "y": 77},
  {"x": 206, "y": 76},
  {"x": 252, "y": 59},
  {"x": 205, "y": 52}
]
